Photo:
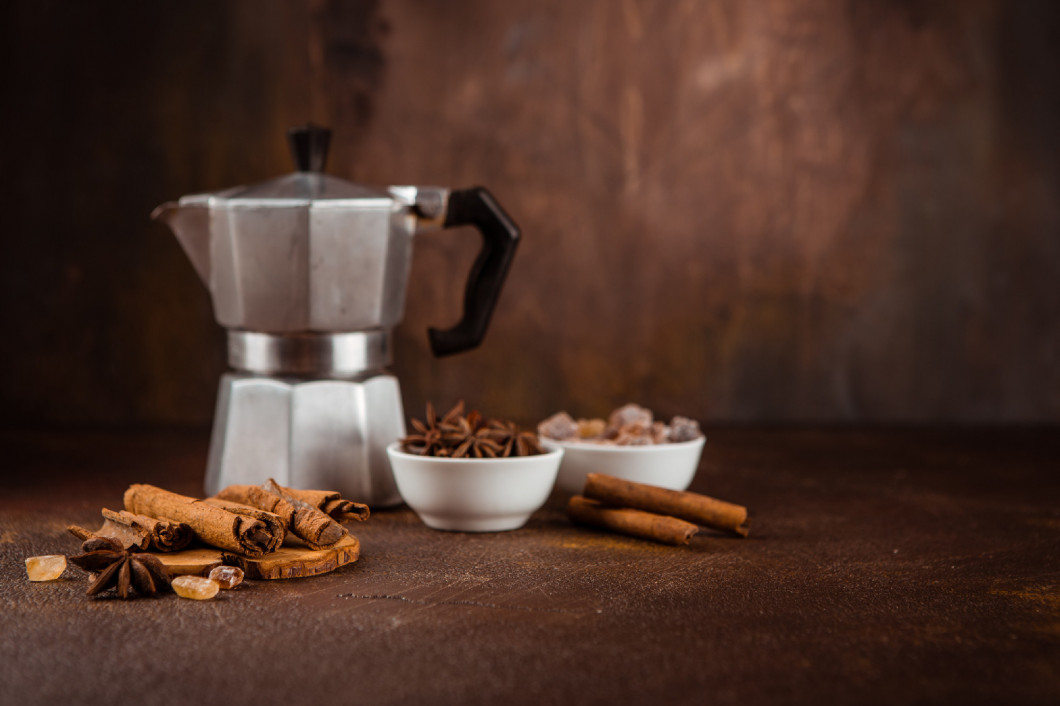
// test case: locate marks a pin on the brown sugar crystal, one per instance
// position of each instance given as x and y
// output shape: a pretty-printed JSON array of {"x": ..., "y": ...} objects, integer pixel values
[
  {"x": 630, "y": 414},
  {"x": 559, "y": 426}
]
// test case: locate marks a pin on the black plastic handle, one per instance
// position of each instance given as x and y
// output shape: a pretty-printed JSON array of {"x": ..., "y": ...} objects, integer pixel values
[{"x": 477, "y": 207}]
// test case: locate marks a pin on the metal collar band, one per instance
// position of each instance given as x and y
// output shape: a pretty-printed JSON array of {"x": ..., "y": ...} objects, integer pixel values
[{"x": 324, "y": 354}]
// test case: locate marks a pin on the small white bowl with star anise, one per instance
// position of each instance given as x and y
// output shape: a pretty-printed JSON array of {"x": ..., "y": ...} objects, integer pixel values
[{"x": 466, "y": 473}]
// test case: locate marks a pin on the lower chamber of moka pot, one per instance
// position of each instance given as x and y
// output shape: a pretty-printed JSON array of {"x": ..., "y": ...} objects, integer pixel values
[{"x": 327, "y": 434}]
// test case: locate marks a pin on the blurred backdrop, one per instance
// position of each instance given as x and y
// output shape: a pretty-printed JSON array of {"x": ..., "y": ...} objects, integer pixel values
[{"x": 804, "y": 211}]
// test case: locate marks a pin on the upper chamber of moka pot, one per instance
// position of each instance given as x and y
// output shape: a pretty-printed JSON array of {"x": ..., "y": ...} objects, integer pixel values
[{"x": 305, "y": 252}]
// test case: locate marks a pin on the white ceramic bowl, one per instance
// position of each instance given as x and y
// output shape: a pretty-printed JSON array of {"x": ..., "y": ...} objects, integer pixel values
[
  {"x": 665, "y": 465},
  {"x": 474, "y": 494}
]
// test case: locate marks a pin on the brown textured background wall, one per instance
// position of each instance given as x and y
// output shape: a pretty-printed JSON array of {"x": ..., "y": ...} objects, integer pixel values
[{"x": 798, "y": 211}]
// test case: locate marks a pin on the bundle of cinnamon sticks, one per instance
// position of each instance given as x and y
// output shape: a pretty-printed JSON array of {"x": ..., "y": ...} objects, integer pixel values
[
  {"x": 651, "y": 512},
  {"x": 246, "y": 519}
]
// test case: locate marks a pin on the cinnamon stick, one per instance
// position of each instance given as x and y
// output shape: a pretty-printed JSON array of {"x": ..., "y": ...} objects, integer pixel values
[
  {"x": 139, "y": 531},
  {"x": 306, "y": 522},
  {"x": 694, "y": 507},
  {"x": 637, "y": 523},
  {"x": 275, "y": 526},
  {"x": 126, "y": 535},
  {"x": 238, "y": 530},
  {"x": 331, "y": 503},
  {"x": 166, "y": 536}
]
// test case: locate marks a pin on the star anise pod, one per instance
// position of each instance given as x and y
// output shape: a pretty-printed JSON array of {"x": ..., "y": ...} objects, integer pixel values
[
  {"x": 426, "y": 439},
  {"x": 515, "y": 442},
  {"x": 471, "y": 437},
  {"x": 434, "y": 436},
  {"x": 117, "y": 567}
]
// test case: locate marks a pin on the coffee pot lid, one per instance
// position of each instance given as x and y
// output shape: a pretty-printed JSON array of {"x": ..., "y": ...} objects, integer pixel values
[{"x": 309, "y": 148}]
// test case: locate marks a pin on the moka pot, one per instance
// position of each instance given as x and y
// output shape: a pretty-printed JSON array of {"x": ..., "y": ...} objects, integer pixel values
[{"x": 308, "y": 273}]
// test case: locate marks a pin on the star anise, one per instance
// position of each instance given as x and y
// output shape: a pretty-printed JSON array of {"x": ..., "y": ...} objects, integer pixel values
[
  {"x": 515, "y": 442},
  {"x": 457, "y": 435},
  {"x": 117, "y": 567},
  {"x": 426, "y": 439},
  {"x": 471, "y": 437}
]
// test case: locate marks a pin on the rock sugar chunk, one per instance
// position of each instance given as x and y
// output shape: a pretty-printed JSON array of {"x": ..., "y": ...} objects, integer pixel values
[
  {"x": 45, "y": 568},
  {"x": 660, "y": 433},
  {"x": 630, "y": 414},
  {"x": 195, "y": 587},
  {"x": 560, "y": 426},
  {"x": 637, "y": 434},
  {"x": 227, "y": 577},
  {"x": 591, "y": 428},
  {"x": 684, "y": 429}
]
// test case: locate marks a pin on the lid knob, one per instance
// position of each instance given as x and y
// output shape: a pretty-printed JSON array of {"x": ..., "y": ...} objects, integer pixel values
[{"x": 309, "y": 147}]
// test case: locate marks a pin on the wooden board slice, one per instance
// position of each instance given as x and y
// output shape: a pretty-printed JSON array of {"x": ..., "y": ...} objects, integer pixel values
[
  {"x": 196, "y": 562},
  {"x": 287, "y": 562}
]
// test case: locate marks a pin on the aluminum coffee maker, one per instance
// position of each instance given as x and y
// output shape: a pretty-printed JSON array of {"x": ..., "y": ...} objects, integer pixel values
[{"x": 308, "y": 274}]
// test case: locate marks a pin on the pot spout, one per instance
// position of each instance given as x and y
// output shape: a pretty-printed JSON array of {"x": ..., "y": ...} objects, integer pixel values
[{"x": 191, "y": 225}]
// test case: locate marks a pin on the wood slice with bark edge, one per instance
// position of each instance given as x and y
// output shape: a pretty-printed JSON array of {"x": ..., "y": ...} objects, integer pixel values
[
  {"x": 291, "y": 562},
  {"x": 287, "y": 562}
]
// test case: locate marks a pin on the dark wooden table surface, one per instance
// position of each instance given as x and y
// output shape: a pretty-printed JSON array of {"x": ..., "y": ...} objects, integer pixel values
[{"x": 882, "y": 567}]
